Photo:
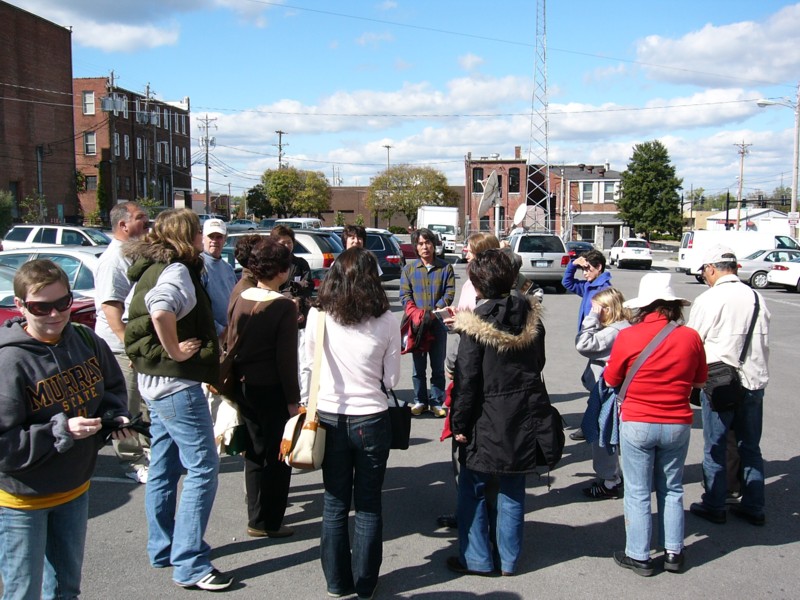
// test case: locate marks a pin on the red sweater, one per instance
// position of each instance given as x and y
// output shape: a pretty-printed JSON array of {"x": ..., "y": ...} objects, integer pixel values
[{"x": 659, "y": 392}]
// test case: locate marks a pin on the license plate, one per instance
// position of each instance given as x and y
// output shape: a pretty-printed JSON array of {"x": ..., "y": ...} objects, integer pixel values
[
  {"x": 541, "y": 264},
  {"x": 637, "y": 251}
]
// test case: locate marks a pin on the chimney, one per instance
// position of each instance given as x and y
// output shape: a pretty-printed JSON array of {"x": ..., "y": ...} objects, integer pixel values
[
  {"x": 608, "y": 165},
  {"x": 590, "y": 168},
  {"x": 517, "y": 152},
  {"x": 581, "y": 166},
  {"x": 601, "y": 171}
]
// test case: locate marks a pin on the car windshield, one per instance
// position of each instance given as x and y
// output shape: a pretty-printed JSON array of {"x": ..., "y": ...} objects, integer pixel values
[
  {"x": 540, "y": 243},
  {"x": 755, "y": 255},
  {"x": 636, "y": 244},
  {"x": 446, "y": 229},
  {"x": 98, "y": 237}
]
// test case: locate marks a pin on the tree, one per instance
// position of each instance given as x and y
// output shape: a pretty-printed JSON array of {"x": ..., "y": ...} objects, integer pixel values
[
  {"x": 258, "y": 202},
  {"x": 102, "y": 194},
  {"x": 339, "y": 220},
  {"x": 403, "y": 189},
  {"x": 6, "y": 211},
  {"x": 650, "y": 202},
  {"x": 293, "y": 192}
]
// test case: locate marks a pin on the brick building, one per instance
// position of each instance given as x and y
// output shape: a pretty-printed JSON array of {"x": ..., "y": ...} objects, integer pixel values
[
  {"x": 582, "y": 203},
  {"x": 36, "y": 128},
  {"x": 130, "y": 145}
]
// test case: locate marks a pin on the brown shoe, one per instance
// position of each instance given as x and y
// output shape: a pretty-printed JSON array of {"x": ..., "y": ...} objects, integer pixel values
[{"x": 279, "y": 533}]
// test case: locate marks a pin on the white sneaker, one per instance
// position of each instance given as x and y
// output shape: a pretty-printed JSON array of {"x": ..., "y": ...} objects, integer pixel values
[
  {"x": 212, "y": 582},
  {"x": 418, "y": 408},
  {"x": 138, "y": 473}
]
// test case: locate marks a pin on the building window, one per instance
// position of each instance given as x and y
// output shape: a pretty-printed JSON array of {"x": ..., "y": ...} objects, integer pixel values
[
  {"x": 156, "y": 117},
  {"x": 166, "y": 152},
  {"x": 88, "y": 103},
  {"x": 158, "y": 152},
  {"x": 513, "y": 180},
  {"x": 177, "y": 156},
  {"x": 586, "y": 192},
  {"x": 91, "y": 183},
  {"x": 166, "y": 119},
  {"x": 125, "y": 107},
  {"x": 608, "y": 191},
  {"x": 138, "y": 110},
  {"x": 477, "y": 176},
  {"x": 116, "y": 144},
  {"x": 183, "y": 153},
  {"x": 119, "y": 182},
  {"x": 183, "y": 123},
  {"x": 139, "y": 148},
  {"x": 126, "y": 144},
  {"x": 177, "y": 122},
  {"x": 127, "y": 184},
  {"x": 90, "y": 143}
]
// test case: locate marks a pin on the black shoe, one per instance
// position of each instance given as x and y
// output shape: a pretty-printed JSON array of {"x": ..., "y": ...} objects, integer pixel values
[
  {"x": 454, "y": 564},
  {"x": 577, "y": 436},
  {"x": 640, "y": 567},
  {"x": 212, "y": 582},
  {"x": 448, "y": 521},
  {"x": 599, "y": 491},
  {"x": 714, "y": 516},
  {"x": 674, "y": 562},
  {"x": 752, "y": 518}
]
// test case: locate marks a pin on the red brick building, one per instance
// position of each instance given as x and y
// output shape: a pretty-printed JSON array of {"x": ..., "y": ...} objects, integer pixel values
[
  {"x": 130, "y": 145},
  {"x": 36, "y": 148}
]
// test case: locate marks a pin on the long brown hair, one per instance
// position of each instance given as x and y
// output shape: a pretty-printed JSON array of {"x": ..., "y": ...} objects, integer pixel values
[
  {"x": 177, "y": 228},
  {"x": 351, "y": 291}
]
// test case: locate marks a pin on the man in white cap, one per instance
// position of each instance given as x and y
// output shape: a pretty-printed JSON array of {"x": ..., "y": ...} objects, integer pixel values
[
  {"x": 725, "y": 316},
  {"x": 219, "y": 277}
]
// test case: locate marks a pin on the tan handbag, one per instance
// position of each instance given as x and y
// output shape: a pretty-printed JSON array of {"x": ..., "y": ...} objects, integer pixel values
[{"x": 303, "y": 443}]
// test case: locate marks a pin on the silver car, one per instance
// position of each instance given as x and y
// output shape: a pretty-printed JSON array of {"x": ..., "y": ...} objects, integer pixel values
[
  {"x": 319, "y": 248},
  {"x": 544, "y": 257},
  {"x": 753, "y": 269},
  {"x": 78, "y": 262}
]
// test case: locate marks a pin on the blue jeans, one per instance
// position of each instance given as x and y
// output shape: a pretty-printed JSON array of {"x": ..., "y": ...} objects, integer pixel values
[
  {"x": 653, "y": 455},
  {"x": 356, "y": 451},
  {"x": 746, "y": 421},
  {"x": 41, "y": 551},
  {"x": 182, "y": 438},
  {"x": 480, "y": 524},
  {"x": 436, "y": 353}
]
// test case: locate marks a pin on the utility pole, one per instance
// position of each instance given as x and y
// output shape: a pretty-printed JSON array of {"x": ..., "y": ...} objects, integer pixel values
[
  {"x": 148, "y": 120},
  {"x": 205, "y": 123},
  {"x": 113, "y": 153},
  {"x": 742, "y": 151},
  {"x": 280, "y": 145},
  {"x": 388, "y": 147}
]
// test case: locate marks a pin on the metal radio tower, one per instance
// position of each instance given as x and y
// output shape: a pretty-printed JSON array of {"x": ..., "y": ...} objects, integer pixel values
[{"x": 538, "y": 176}]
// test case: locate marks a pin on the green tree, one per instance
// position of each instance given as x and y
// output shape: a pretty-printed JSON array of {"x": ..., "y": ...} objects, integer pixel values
[
  {"x": 258, "y": 202},
  {"x": 33, "y": 208},
  {"x": 359, "y": 220},
  {"x": 339, "y": 220},
  {"x": 153, "y": 207},
  {"x": 102, "y": 195},
  {"x": 650, "y": 202},
  {"x": 293, "y": 192},
  {"x": 403, "y": 189},
  {"x": 6, "y": 211}
]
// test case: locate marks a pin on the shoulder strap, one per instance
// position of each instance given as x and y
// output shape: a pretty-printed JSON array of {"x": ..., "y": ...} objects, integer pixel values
[
  {"x": 643, "y": 356},
  {"x": 746, "y": 346},
  {"x": 311, "y": 409}
]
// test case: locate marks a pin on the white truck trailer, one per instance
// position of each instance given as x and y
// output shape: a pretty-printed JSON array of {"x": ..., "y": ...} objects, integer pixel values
[{"x": 443, "y": 221}]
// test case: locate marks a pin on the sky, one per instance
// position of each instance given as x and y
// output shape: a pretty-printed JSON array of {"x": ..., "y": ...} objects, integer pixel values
[{"x": 437, "y": 79}]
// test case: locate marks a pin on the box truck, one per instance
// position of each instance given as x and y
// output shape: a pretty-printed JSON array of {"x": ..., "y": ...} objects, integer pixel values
[
  {"x": 443, "y": 221},
  {"x": 695, "y": 244}
]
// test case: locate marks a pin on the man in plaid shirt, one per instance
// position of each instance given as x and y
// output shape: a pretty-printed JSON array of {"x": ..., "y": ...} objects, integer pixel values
[{"x": 429, "y": 283}]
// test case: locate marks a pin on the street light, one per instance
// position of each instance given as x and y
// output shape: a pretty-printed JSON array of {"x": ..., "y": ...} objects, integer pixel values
[{"x": 787, "y": 102}]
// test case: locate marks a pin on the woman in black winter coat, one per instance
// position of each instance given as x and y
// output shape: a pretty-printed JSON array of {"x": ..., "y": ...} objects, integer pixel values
[{"x": 501, "y": 416}]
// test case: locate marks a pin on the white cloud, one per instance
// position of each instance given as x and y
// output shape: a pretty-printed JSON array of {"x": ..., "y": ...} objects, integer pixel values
[
  {"x": 470, "y": 61},
  {"x": 387, "y": 5},
  {"x": 374, "y": 39},
  {"x": 116, "y": 37},
  {"x": 767, "y": 51}
]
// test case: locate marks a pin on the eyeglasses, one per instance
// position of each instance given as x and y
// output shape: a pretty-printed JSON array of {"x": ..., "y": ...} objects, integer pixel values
[{"x": 42, "y": 309}]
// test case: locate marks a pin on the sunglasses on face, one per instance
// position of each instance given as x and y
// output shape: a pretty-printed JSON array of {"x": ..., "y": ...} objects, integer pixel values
[{"x": 42, "y": 309}]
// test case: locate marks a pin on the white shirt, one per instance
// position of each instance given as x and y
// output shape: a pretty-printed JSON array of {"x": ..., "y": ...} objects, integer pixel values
[
  {"x": 111, "y": 284},
  {"x": 354, "y": 361},
  {"x": 722, "y": 315}
]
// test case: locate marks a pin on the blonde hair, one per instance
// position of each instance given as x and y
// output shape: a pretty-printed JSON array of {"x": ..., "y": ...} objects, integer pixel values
[
  {"x": 612, "y": 299},
  {"x": 177, "y": 228},
  {"x": 478, "y": 242}
]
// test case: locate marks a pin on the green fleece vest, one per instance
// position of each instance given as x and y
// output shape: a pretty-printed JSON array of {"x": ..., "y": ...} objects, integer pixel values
[{"x": 144, "y": 348}]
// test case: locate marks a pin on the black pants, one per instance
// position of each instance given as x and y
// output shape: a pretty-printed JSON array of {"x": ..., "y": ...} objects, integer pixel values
[{"x": 263, "y": 409}]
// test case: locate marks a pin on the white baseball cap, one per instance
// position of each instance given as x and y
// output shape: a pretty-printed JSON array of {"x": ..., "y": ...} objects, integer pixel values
[{"x": 214, "y": 226}]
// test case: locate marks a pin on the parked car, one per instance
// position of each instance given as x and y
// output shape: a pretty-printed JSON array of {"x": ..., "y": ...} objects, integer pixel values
[
  {"x": 753, "y": 269},
  {"x": 786, "y": 275},
  {"x": 35, "y": 236},
  {"x": 319, "y": 248},
  {"x": 78, "y": 262},
  {"x": 631, "y": 252},
  {"x": 576, "y": 249},
  {"x": 267, "y": 224},
  {"x": 204, "y": 218},
  {"x": 544, "y": 257},
  {"x": 300, "y": 223},
  {"x": 386, "y": 249},
  {"x": 242, "y": 225},
  {"x": 82, "y": 309}
]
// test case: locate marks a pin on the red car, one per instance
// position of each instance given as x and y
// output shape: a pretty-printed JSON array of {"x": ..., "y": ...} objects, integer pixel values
[{"x": 82, "y": 310}]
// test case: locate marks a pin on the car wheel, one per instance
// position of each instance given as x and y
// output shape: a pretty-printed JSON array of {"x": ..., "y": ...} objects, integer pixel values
[
  {"x": 647, "y": 266},
  {"x": 560, "y": 289},
  {"x": 797, "y": 287},
  {"x": 759, "y": 280},
  {"x": 700, "y": 279},
  {"x": 611, "y": 260}
]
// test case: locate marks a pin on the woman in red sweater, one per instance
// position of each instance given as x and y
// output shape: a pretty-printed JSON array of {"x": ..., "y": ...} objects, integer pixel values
[{"x": 655, "y": 421}]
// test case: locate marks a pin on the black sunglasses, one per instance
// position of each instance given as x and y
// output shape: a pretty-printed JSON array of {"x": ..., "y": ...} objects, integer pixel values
[{"x": 42, "y": 309}]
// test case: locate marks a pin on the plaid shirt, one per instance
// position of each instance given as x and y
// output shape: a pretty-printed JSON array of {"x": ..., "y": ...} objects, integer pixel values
[{"x": 428, "y": 289}]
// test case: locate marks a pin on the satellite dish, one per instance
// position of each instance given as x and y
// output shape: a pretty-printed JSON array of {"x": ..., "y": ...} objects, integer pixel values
[
  {"x": 491, "y": 192},
  {"x": 525, "y": 216}
]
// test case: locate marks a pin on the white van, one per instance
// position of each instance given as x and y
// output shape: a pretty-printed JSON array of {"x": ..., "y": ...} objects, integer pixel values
[
  {"x": 299, "y": 223},
  {"x": 694, "y": 245}
]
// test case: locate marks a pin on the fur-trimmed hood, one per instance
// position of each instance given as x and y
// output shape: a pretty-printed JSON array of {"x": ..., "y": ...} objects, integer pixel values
[{"x": 505, "y": 324}]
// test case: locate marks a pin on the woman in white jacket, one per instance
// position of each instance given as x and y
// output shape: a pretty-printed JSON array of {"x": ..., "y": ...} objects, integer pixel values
[{"x": 598, "y": 331}]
